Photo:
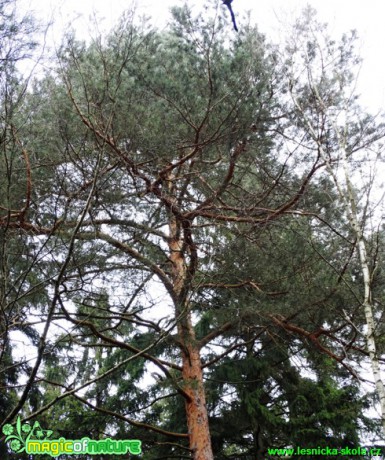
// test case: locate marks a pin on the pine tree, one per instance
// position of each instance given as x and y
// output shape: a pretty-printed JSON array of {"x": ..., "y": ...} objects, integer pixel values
[{"x": 181, "y": 224}]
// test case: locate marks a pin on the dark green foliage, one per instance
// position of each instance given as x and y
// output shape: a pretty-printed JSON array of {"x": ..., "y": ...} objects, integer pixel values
[{"x": 18, "y": 282}]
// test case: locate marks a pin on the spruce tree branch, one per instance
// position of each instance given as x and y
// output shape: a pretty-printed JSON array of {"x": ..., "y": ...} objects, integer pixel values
[
  {"x": 127, "y": 249},
  {"x": 279, "y": 320},
  {"x": 55, "y": 300},
  {"x": 130, "y": 421},
  {"x": 72, "y": 392}
]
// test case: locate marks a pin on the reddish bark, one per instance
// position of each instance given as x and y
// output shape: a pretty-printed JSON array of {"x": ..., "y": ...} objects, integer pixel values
[
  {"x": 193, "y": 386},
  {"x": 196, "y": 410}
]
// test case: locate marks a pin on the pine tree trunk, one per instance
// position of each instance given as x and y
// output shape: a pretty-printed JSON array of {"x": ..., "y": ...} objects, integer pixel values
[{"x": 196, "y": 410}]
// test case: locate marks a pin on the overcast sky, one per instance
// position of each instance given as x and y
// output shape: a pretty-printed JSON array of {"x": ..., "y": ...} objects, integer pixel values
[{"x": 342, "y": 15}]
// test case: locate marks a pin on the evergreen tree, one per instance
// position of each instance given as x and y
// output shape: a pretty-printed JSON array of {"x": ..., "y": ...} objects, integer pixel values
[{"x": 180, "y": 222}]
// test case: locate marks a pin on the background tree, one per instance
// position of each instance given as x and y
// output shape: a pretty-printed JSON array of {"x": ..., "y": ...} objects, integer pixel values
[
  {"x": 349, "y": 143},
  {"x": 20, "y": 284}
]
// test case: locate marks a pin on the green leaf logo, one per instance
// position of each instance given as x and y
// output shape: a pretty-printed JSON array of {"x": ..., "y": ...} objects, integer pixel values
[{"x": 16, "y": 437}]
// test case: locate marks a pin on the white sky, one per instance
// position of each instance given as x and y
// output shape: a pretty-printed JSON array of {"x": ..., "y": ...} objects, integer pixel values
[{"x": 366, "y": 17}]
